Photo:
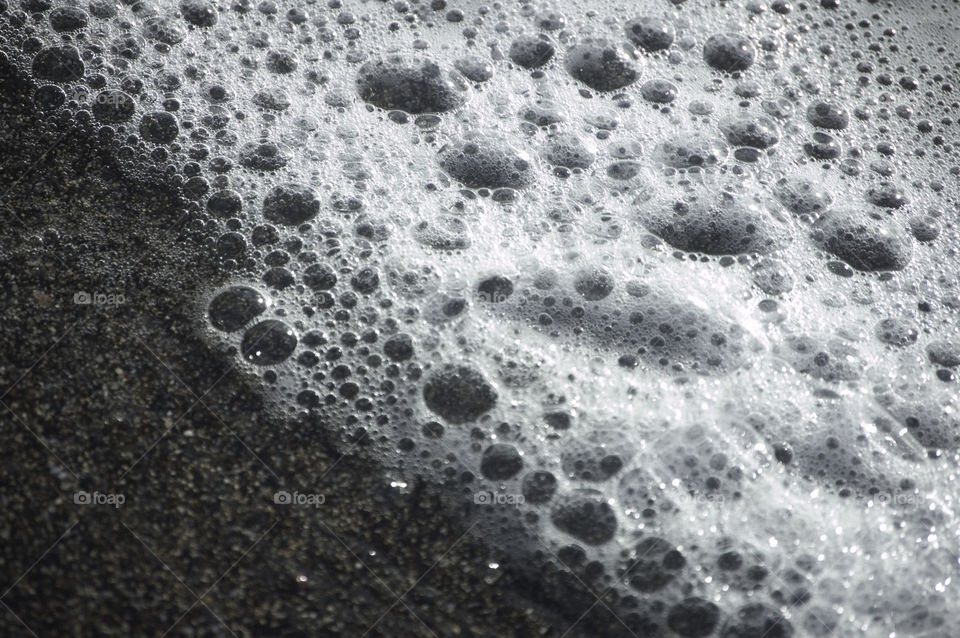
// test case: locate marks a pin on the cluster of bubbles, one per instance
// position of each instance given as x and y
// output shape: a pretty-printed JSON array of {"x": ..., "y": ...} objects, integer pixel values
[{"x": 687, "y": 281}]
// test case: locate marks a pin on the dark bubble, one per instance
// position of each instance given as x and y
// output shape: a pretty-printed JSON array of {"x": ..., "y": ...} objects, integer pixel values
[
  {"x": 36, "y": 6},
  {"x": 783, "y": 452},
  {"x": 828, "y": 115},
  {"x": 130, "y": 47},
  {"x": 780, "y": 108},
  {"x": 164, "y": 30},
  {"x": 531, "y": 51},
  {"x": 753, "y": 131},
  {"x": 113, "y": 106},
  {"x": 413, "y": 281},
  {"x": 291, "y": 204},
  {"x": 369, "y": 229},
  {"x": 896, "y": 332},
  {"x": 132, "y": 85},
  {"x": 309, "y": 398},
  {"x": 278, "y": 278},
  {"x": 601, "y": 64},
  {"x": 649, "y": 33},
  {"x": 624, "y": 170},
  {"x": 822, "y": 147},
  {"x": 49, "y": 97},
  {"x": 159, "y": 127},
  {"x": 458, "y": 393},
  {"x": 924, "y": 228},
  {"x": 103, "y": 8},
  {"x": 366, "y": 281},
  {"x": 268, "y": 343},
  {"x": 453, "y": 306},
  {"x": 865, "y": 243},
  {"x": 272, "y": 99},
  {"x": 199, "y": 13},
  {"x": 636, "y": 491},
  {"x": 756, "y": 620},
  {"x": 597, "y": 456},
  {"x": 346, "y": 204},
  {"x": 264, "y": 156},
  {"x": 690, "y": 151},
  {"x": 772, "y": 277},
  {"x": 934, "y": 426},
  {"x": 168, "y": 81},
  {"x": 585, "y": 515},
  {"x": 501, "y": 461},
  {"x": 319, "y": 277},
  {"x": 235, "y": 307},
  {"x": 628, "y": 150},
  {"x": 693, "y": 617},
  {"x": 297, "y": 15},
  {"x": 68, "y": 19},
  {"x": 637, "y": 289},
  {"x": 748, "y": 155},
  {"x": 485, "y": 163},
  {"x": 669, "y": 332},
  {"x": 833, "y": 361},
  {"x": 909, "y": 83},
  {"x": 417, "y": 86},
  {"x": 264, "y": 234},
  {"x": 887, "y": 195},
  {"x": 494, "y": 289},
  {"x": 721, "y": 225},
  {"x": 58, "y": 64},
  {"x": 432, "y": 430},
  {"x": 568, "y": 150},
  {"x": 314, "y": 339},
  {"x": 474, "y": 68},
  {"x": 551, "y": 20},
  {"x": 748, "y": 89},
  {"x": 446, "y": 232},
  {"x": 281, "y": 61},
  {"x": 730, "y": 561},
  {"x": 593, "y": 284},
  {"x": 399, "y": 347},
  {"x": 802, "y": 196},
  {"x": 659, "y": 91},
  {"x": 558, "y": 420},
  {"x": 231, "y": 245},
  {"x": 944, "y": 353},
  {"x": 729, "y": 52},
  {"x": 652, "y": 565},
  {"x": 225, "y": 203},
  {"x": 538, "y": 487}
]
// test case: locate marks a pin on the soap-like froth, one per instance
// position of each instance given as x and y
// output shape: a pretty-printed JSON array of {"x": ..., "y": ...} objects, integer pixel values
[{"x": 673, "y": 279}]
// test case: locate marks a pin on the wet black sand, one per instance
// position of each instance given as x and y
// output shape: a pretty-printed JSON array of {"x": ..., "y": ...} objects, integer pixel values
[{"x": 124, "y": 399}]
